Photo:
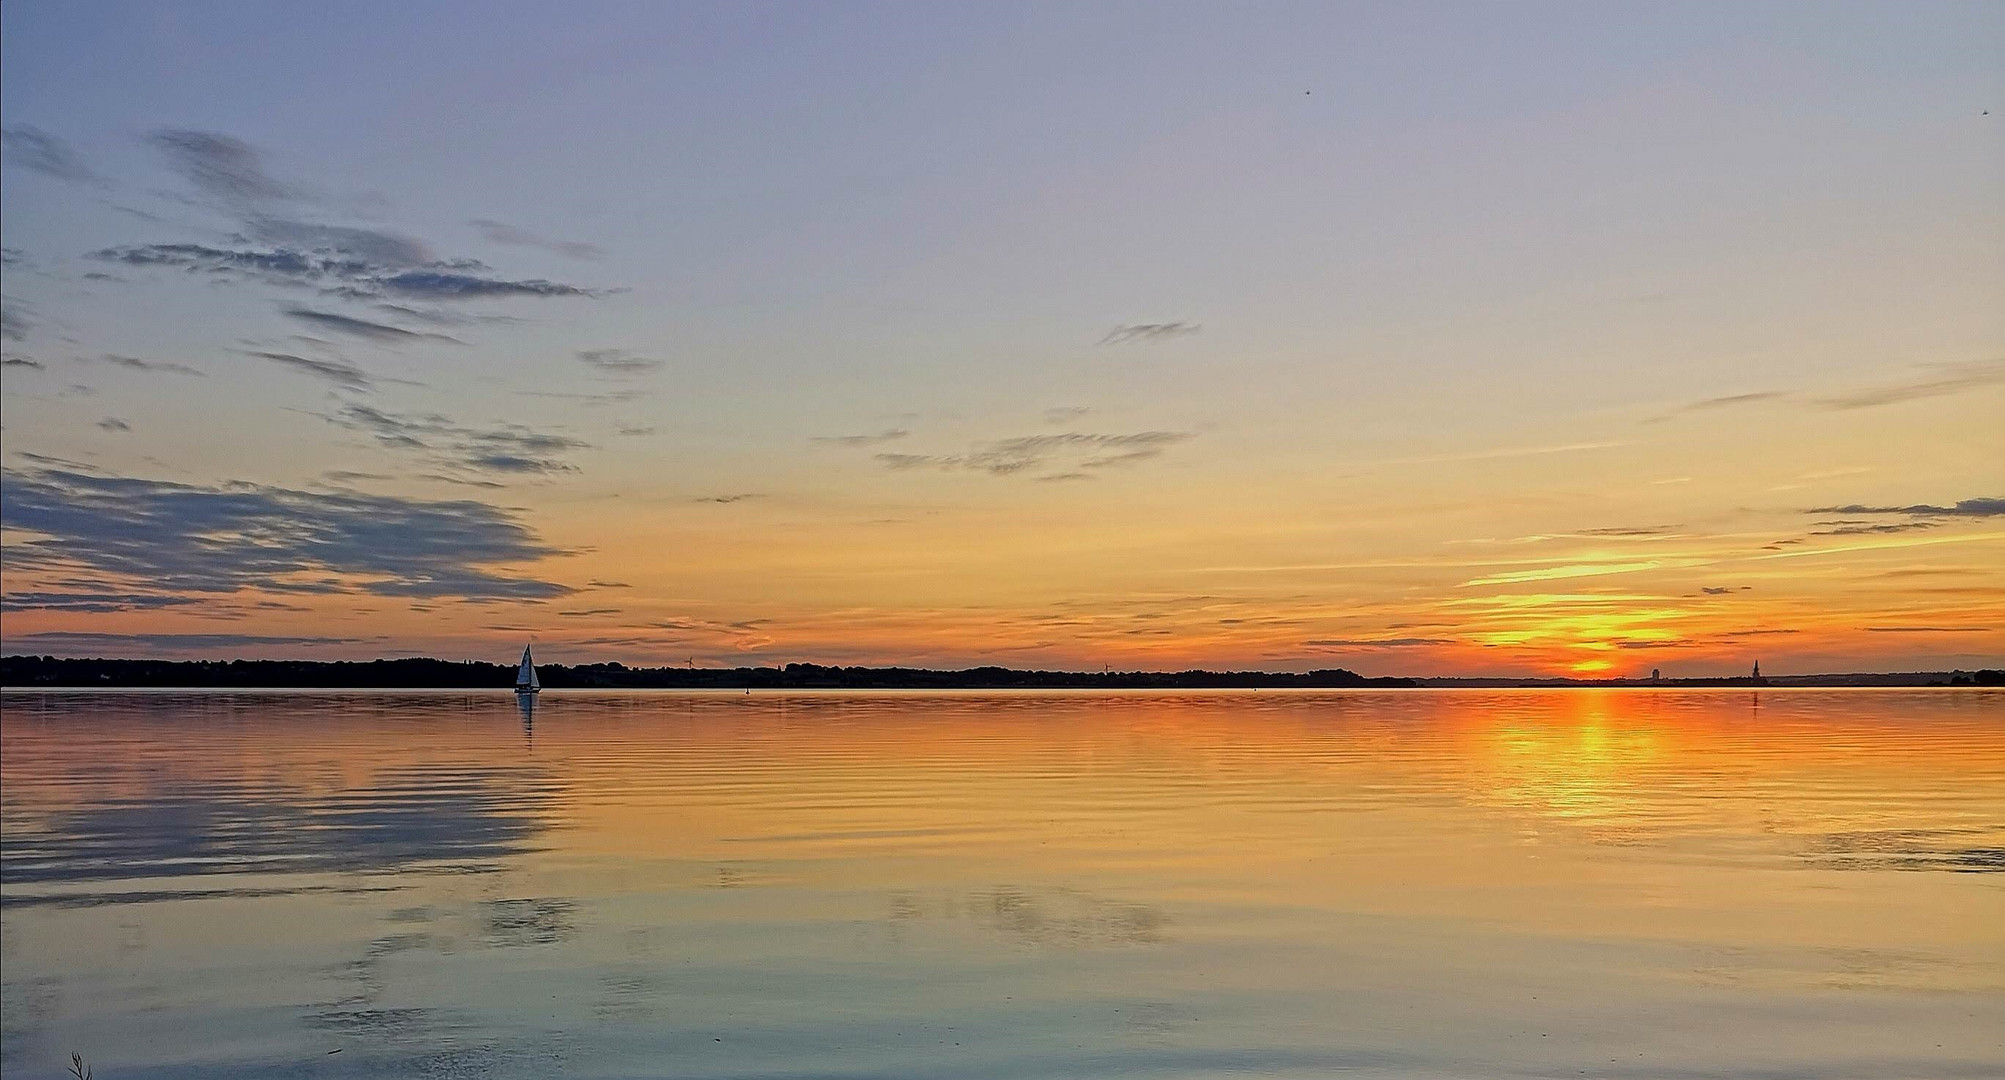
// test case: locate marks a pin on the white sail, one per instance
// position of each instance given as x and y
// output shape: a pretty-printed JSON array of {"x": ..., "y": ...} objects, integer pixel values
[{"x": 525, "y": 676}]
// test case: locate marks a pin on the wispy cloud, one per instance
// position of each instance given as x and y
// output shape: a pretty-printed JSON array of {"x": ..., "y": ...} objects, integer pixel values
[
  {"x": 1858, "y": 520},
  {"x": 885, "y": 436},
  {"x": 432, "y": 316},
  {"x": 735, "y": 497},
  {"x": 1876, "y": 545},
  {"x": 1735, "y": 399},
  {"x": 619, "y": 361},
  {"x": 499, "y": 232},
  {"x": 32, "y": 148},
  {"x": 1556, "y": 573},
  {"x": 505, "y": 448},
  {"x": 461, "y": 481},
  {"x": 56, "y": 462},
  {"x": 221, "y": 166},
  {"x": 1868, "y": 528},
  {"x": 460, "y": 281},
  {"x": 1940, "y": 380},
  {"x": 1928, "y": 629},
  {"x": 1004, "y": 457},
  {"x": 345, "y": 375},
  {"x": 1500, "y": 453},
  {"x": 191, "y": 539},
  {"x": 1973, "y": 508},
  {"x": 1149, "y": 333},
  {"x": 339, "y": 274},
  {"x": 14, "y": 326},
  {"x": 1728, "y": 401},
  {"x": 1936, "y": 380},
  {"x": 230, "y": 175},
  {"x": 596, "y": 400},
  {"x": 384, "y": 249},
  {"x": 114, "y": 424},
  {"x": 133, "y": 363},
  {"x": 381, "y": 333},
  {"x": 1634, "y": 532}
]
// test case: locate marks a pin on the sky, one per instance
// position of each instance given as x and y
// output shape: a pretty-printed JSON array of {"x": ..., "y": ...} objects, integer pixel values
[{"x": 1427, "y": 339}]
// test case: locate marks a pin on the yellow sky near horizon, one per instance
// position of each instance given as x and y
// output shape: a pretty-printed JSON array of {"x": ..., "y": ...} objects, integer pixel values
[{"x": 1522, "y": 558}]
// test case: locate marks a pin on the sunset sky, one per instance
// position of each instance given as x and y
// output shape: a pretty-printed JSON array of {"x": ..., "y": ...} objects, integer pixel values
[{"x": 1410, "y": 339}]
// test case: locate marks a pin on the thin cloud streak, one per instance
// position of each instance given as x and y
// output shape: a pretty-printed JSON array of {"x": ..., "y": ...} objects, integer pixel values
[
  {"x": 1005, "y": 457},
  {"x": 1980, "y": 507},
  {"x": 500, "y": 232},
  {"x": 1951, "y": 379},
  {"x": 1945, "y": 379},
  {"x": 380, "y": 333},
  {"x": 1149, "y": 333},
  {"x": 619, "y": 361},
  {"x": 344, "y": 375},
  {"x": 133, "y": 363},
  {"x": 221, "y": 166},
  {"x": 1576, "y": 570},
  {"x": 1492, "y": 455},
  {"x": 338, "y": 274},
  {"x": 32, "y": 148},
  {"x": 885, "y": 436}
]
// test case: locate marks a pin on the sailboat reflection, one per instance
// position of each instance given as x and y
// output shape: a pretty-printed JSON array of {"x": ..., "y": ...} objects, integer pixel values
[{"x": 526, "y": 704}]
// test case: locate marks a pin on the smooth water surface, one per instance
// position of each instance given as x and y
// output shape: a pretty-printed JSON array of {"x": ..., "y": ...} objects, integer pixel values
[{"x": 1403, "y": 883}]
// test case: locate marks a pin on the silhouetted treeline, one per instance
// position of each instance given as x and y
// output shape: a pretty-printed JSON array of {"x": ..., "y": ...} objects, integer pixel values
[{"x": 445, "y": 674}]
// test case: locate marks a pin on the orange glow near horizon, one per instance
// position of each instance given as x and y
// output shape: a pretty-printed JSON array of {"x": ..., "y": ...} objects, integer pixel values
[{"x": 732, "y": 604}]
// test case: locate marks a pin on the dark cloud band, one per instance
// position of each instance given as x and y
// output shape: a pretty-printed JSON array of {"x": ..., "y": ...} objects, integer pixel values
[{"x": 185, "y": 539}]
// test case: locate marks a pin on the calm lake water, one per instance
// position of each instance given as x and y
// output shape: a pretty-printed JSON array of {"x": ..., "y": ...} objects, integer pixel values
[{"x": 1789, "y": 883}]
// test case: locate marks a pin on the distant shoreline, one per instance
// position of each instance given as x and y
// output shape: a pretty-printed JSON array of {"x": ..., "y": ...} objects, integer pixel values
[{"x": 44, "y": 672}]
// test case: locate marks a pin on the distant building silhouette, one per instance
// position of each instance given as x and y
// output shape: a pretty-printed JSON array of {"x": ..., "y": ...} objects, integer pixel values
[{"x": 1656, "y": 675}]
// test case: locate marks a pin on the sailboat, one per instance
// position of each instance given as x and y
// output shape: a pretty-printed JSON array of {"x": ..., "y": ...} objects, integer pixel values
[{"x": 525, "y": 676}]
